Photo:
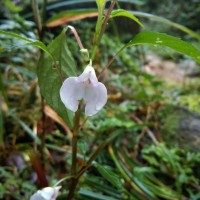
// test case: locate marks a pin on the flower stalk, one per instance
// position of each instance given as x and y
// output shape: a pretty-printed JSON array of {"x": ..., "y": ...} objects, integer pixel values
[
  {"x": 74, "y": 141},
  {"x": 74, "y": 180}
]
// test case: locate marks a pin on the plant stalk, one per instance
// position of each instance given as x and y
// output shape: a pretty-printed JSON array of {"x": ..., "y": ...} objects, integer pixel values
[
  {"x": 98, "y": 39},
  {"x": 37, "y": 17},
  {"x": 74, "y": 180}
]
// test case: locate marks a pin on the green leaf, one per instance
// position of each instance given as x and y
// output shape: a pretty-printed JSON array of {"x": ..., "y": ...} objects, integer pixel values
[
  {"x": 124, "y": 13},
  {"x": 162, "y": 39},
  {"x": 12, "y": 6},
  {"x": 27, "y": 129},
  {"x": 166, "y": 21},
  {"x": 50, "y": 75},
  {"x": 99, "y": 25},
  {"x": 110, "y": 176},
  {"x": 94, "y": 195},
  {"x": 27, "y": 41},
  {"x": 100, "y": 4}
]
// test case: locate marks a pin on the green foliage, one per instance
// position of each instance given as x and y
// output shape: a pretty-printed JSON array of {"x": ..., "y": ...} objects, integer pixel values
[
  {"x": 12, "y": 184},
  {"x": 27, "y": 41},
  {"x": 110, "y": 176},
  {"x": 12, "y": 6},
  {"x": 124, "y": 13},
  {"x": 130, "y": 167},
  {"x": 192, "y": 101},
  {"x": 166, "y": 40},
  {"x": 50, "y": 74},
  {"x": 166, "y": 21},
  {"x": 176, "y": 163}
]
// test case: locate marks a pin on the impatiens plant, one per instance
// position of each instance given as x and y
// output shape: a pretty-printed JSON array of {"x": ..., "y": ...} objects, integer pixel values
[{"x": 67, "y": 93}]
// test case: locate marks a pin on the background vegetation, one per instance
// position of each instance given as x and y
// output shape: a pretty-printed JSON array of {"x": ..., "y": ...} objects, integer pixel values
[{"x": 151, "y": 120}]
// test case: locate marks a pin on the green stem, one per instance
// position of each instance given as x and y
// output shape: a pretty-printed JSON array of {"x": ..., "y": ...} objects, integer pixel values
[
  {"x": 106, "y": 20},
  {"x": 40, "y": 31},
  {"x": 37, "y": 17},
  {"x": 74, "y": 155},
  {"x": 44, "y": 9},
  {"x": 74, "y": 180},
  {"x": 100, "y": 34},
  {"x": 74, "y": 141}
]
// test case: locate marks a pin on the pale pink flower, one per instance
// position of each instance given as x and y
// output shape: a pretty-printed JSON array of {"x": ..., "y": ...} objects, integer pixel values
[
  {"x": 47, "y": 193},
  {"x": 84, "y": 87}
]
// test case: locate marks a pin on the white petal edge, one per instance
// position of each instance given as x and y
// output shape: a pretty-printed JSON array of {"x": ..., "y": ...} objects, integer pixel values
[
  {"x": 95, "y": 98},
  {"x": 48, "y": 193},
  {"x": 71, "y": 92},
  {"x": 102, "y": 96}
]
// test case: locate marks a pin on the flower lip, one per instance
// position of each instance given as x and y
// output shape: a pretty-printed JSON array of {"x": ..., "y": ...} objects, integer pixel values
[{"x": 86, "y": 87}]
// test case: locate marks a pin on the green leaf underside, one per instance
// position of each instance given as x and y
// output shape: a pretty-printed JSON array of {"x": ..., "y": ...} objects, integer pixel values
[
  {"x": 49, "y": 78},
  {"x": 166, "y": 40},
  {"x": 124, "y": 13},
  {"x": 27, "y": 41}
]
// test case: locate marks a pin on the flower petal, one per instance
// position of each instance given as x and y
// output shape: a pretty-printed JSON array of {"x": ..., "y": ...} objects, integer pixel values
[
  {"x": 48, "y": 193},
  {"x": 87, "y": 74},
  {"x": 95, "y": 98},
  {"x": 71, "y": 92}
]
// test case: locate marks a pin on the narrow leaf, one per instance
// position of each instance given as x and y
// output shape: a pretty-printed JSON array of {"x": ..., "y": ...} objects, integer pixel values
[
  {"x": 110, "y": 176},
  {"x": 50, "y": 75},
  {"x": 27, "y": 41},
  {"x": 27, "y": 129},
  {"x": 94, "y": 195},
  {"x": 166, "y": 21},
  {"x": 166, "y": 40},
  {"x": 100, "y": 4},
  {"x": 124, "y": 13}
]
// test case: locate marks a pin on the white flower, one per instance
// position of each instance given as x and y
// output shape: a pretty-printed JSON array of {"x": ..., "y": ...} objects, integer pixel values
[
  {"x": 47, "y": 193},
  {"x": 85, "y": 87}
]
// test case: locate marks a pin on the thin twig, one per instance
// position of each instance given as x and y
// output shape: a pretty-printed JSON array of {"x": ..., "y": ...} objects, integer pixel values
[
  {"x": 110, "y": 62},
  {"x": 92, "y": 158},
  {"x": 73, "y": 30},
  {"x": 148, "y": 131}
]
